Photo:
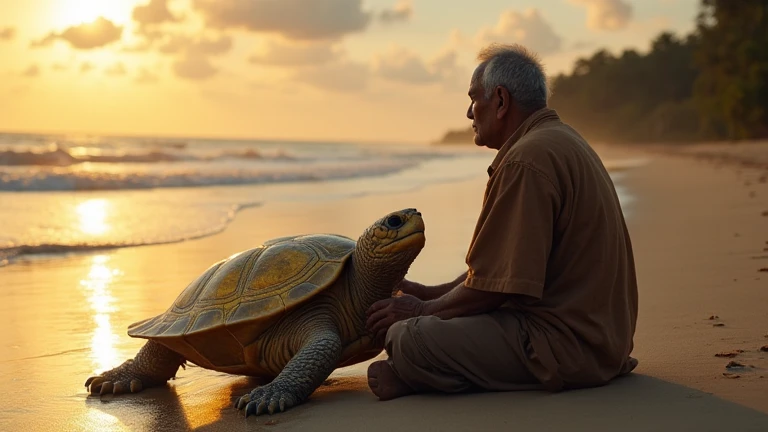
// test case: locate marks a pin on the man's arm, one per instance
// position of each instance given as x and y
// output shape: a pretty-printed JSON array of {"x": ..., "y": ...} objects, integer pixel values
[
  {"x": 464, "y": 301},
  {"x": 460, "y": 301},
  {"x": 424, "y": 292}
]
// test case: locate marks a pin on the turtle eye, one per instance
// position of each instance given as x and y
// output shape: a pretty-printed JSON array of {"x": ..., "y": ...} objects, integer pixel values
[{"x": 394, "y": 222}]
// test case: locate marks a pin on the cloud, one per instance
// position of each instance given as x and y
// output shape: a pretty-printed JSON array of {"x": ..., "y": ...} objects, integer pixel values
[
  {"x": 193, "y": 54},
  {"x": 117, "y": 69},
  {"x": 345, "y": 76},
  {"x": 607, "y": 15},
  {"x": 196, "y": 45},
  {"x": 31, "y": 72},
  {"x": 146, "y": 77},
  {"x": 154, "y": 12},
  {"x": 294, "y": 19},
  {"x": 91, "y": 35},
  {"x": 194, "y": 67},
  {"x": 403, "y": 11},
  {"x": 277, "y": 53},
  {"x": 400, "y": 64},
  {"x": 86, "y": 67},
  {"x": 527, "y": 28},
  {"x": 7, "y": 33}
]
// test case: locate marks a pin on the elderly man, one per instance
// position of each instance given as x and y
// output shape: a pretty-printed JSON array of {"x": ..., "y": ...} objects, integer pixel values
[{"x": 549, "y": 299}]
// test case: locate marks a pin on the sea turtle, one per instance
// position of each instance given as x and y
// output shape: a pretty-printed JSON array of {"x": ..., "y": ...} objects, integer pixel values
[{"x": 289, "y": 311}]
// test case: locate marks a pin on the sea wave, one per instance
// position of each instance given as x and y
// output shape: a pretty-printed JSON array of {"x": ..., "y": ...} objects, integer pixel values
[
  {"x": 89, "y": 180},
  {"x": 11, "y": 253},
  {"x": 63, "y": 157}
]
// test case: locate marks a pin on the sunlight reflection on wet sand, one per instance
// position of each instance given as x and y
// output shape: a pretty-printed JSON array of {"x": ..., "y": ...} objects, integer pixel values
[{"x": 99, "y": 295}]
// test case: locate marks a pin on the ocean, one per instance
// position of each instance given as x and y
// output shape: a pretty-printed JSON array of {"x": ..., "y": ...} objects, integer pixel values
[{"x": 72, "y": 193}]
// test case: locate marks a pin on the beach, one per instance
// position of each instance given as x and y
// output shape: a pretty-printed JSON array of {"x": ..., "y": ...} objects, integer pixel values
[{"x": 699, "y": 229}]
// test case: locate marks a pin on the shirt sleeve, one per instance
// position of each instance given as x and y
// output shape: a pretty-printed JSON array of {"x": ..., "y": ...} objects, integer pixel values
[{"x": 513, "y": 238}]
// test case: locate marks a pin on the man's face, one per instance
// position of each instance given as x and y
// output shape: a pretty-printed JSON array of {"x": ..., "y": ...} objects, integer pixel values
[{"x": 480, "y": 110}]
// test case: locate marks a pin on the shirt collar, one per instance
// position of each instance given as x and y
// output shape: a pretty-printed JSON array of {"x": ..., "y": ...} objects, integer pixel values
[{"x": 535, "y": 119}]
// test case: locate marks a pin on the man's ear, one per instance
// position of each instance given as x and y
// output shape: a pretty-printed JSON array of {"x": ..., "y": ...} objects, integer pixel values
[{"x": 505, "y": 102}]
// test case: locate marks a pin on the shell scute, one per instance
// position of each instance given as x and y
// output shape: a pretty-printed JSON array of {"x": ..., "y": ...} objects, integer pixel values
[{"x": 278, "y": 265}]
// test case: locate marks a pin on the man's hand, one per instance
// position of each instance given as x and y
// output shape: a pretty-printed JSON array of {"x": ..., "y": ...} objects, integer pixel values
[
  {"x": 384, "y": 313},
  {"x": 411, "y": 288}
]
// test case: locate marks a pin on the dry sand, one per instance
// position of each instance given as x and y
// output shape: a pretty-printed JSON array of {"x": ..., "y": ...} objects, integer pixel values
[{"x": 700, "y": 239}]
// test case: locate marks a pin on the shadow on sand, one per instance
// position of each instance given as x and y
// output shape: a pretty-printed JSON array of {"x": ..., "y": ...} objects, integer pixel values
[{"x": 633, "y": 403}]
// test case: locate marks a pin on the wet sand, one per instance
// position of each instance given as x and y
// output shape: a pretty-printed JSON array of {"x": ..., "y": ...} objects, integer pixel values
[{"x": 700, "y": 238}]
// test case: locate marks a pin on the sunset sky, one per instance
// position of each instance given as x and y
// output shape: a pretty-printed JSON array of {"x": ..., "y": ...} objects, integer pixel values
[{"x": 371, "y": 70}]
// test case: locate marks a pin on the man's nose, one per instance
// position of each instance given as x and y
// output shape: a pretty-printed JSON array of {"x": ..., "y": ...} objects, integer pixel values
[{"x": 469, "y": 113}]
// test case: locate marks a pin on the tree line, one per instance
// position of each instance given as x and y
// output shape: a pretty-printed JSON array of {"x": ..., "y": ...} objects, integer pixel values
[{"x": 711, "y": 84}]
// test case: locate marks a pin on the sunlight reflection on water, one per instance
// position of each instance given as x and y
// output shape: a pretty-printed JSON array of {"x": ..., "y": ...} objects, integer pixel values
[
  {"x": 99, "y": 296},
  {"x": 93, "y": 216}
]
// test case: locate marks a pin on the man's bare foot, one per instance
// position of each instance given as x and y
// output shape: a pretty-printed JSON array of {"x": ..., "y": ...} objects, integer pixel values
[{"x": 384, "y": 383}]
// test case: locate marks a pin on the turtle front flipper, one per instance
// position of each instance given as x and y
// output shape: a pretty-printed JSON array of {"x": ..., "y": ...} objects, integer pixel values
[
  {"x": 153, "y": 365},
  {"x": 305, "y": 372}
]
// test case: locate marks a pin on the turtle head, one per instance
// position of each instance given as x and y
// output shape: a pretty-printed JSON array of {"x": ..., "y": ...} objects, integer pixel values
[
  {"x": 388, "y": 247},
  {"x": 384, "y": 253},
  {"x": 399, "y": 233}
]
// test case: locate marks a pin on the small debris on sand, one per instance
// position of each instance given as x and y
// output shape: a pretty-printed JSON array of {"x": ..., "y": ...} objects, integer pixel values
[
  {"x": 729, "y": 354},
  {"x": 737, "y": 365},
  {"x": 764, "y": 269},
  {"x": 718, "y": 325},
  {"x": 712, "y": 317},
  {"x": 270, "y": 423},
  {"x": 764, "y": 348},
  {"x": 765, "y": 213},
  {"x": 731, "y": 375}
]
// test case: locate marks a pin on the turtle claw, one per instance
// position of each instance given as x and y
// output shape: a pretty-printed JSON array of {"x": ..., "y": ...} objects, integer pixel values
[
  {"x": 90, "y": 380},
  {"x": 94, "y": 382},
  {"x": 106, "y": 388},
  {"x": 243, "y": 401},
  {"x": 120, "y": 387},
  {"x": 136, "y": 386},
  {"x": 267, "y": 399},
  {"x": 101, "y": 385}
]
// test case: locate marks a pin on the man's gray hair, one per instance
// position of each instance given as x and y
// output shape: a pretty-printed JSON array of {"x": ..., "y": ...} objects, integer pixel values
[{"x": 518, "y": 70}]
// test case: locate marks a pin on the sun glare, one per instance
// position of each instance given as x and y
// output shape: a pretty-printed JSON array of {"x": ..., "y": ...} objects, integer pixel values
[
  {"x": 75, "y": 12},
  {"x": 93, "y": 216}
]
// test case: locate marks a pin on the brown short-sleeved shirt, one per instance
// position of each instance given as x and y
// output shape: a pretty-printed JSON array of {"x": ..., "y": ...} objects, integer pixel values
[{"x": 552, "y": 231}]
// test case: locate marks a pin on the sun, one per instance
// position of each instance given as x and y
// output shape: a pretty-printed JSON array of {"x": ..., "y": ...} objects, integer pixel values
[{"x": 68, "y": 13}]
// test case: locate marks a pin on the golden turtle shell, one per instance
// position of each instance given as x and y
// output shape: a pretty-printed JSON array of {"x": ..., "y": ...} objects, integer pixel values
[{"x": 235, "y": 300}]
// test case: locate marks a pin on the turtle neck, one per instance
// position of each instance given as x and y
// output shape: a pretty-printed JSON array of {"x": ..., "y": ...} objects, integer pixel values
[{"x": 536, "y": 118}]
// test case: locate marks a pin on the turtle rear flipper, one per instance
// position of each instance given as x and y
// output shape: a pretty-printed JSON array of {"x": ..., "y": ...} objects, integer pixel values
[{"x": 153, "y": 365}]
